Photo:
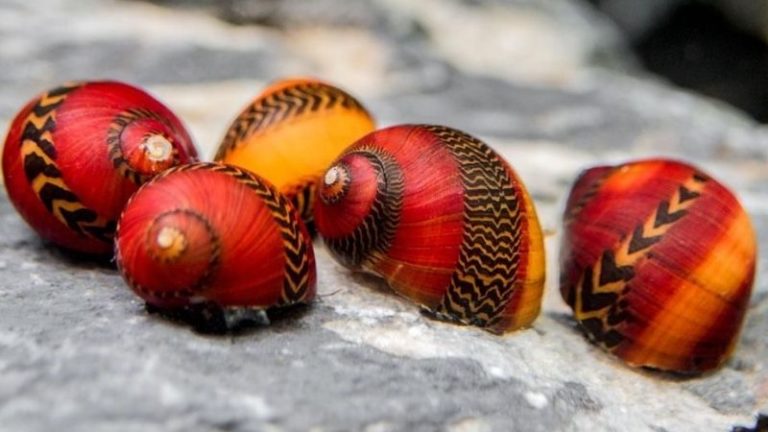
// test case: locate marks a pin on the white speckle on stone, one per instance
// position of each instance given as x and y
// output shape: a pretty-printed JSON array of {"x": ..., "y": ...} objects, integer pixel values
[
  {"x": 382, "y": 426},
  {"x": 536, "y": 399},
  {"x": 37, "y": 279},
  {"x": 170, "y": 394},
  {"x": 255, "y": 405},
  {"x": 496, "y": 372},
  {"x": 28, "y": 265},
  {"x": 469, "y": 424}
]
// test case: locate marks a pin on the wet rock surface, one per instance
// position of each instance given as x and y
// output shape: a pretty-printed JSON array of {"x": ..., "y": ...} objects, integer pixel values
[{"x": 78, "y": 351}]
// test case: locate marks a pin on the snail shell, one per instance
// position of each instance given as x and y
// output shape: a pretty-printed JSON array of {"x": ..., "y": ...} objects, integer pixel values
[
  {"x": 291, "y": 132},
  {"x": 75, "y": 154},
  {"x": 657, "y": 263},
  {"x": 214, "y": 234},
  {"x": 442, "y": 218}
]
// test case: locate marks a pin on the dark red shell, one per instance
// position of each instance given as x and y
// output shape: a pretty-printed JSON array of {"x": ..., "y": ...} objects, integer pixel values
[
  {"x": 658, "y": 261},
  {"x": 442, "y": 218},
  {"x": 75, "y": 154},
  {"x": 214, "y": 234}
]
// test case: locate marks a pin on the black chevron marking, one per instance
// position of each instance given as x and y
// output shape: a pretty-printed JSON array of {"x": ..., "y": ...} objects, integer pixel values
[
  {"x": 687, "y": 195},
  {"x": 610, "y": 272},
  {"x": 281, "y": 105},
  {"x": 74, "y": 219},
  {"x": 31, "y": 132},
  {"x": 43, "y": 110},
  {"x": 613, "y": 309},
  {"x": 104, "y": 233},
  {"x": 590, "y": 300},
  {"x": 612, "y": 338},
  {"x": 35, "y": 165},
  {"x": 298, "y": 266},
  {"x": 639, "y": 242},
  {"x": 700, "y": 177},
  {"x": 617, "y": 316},
  {"x": 302, "y": 196},
  {"x": 76, "y": 216},
  {"x": 62, "y": 90},
  {"x": 664, "y": 217},
  {"x": 50, "y": 193},
  {"x": 596, "y": 331},
  {"x": 489, "y": 256}
]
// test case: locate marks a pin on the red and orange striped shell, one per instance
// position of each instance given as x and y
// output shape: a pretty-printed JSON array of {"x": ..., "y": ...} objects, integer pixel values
[
  {"x": 291, "y": 132},
  {"x": 442, "y": 218},
  {"x": 216, "y": 235},
  {"x": 75, "y": 154},
  {"x": 657, "y": 263}
]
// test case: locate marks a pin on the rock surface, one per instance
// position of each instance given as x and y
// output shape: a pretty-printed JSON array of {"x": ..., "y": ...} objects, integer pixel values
[{"x": 79, "y": 352}]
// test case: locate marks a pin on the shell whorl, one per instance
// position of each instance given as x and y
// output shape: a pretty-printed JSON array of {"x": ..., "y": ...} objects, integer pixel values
[
  {"x": 189, "y": 241},
  {"x": 141, "y": 144},
  {"x": 444, "y": 220},
  {"x": 375, "y": 230}
]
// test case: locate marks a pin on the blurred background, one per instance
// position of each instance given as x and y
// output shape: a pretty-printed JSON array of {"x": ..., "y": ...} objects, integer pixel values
[
  {"x": 499, "y": 56},
  {"x": 715, "y": 47}
]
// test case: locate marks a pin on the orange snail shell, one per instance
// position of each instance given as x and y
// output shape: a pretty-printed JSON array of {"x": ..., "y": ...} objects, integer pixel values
[
  {"x": 291, "y": 132},
  {"x": 657, "y": 263},
  {"x": 216, "y": 235},
  {"x": 442, "y": 218},
  {"x": 75, "y": 154}
]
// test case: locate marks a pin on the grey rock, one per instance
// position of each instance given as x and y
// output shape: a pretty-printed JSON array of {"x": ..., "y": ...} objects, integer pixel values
[{"x": 726, "y": 391}]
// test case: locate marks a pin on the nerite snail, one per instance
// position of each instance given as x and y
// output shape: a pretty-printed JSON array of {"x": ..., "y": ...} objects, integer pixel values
[
  {"x": 442, "y": 218},
  {"x": 214, "y": 235},
  {"x": 291, "y": 132},
  {"x": 657, "y": 263},
  {"x": 75, "y": 154}
]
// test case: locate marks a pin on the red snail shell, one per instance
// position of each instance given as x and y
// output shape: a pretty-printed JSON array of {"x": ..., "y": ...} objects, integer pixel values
[
  {"x": 442, "y": 218},
  {"x": 75, "y": 154},
  {"x": 291, "y": 132},
  {"x": 214, "y": 234},
  {"x": 657, "y": 263}
]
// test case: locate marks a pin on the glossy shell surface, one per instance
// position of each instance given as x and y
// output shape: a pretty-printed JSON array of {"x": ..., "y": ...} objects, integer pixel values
[
  {"x": 291, "y": 132},
  {"x": 75, "y": 154},
  {"x": 442, "y": 218},
  {"x": 657, "y": 263},
  {"x": 216, "y": 234}
]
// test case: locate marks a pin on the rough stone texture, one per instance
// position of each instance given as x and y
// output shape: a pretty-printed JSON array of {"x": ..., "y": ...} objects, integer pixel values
[{"x": 79, "y": 352}]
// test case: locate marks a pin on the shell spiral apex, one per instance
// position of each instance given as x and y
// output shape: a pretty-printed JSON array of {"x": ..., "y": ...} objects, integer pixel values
[{"x": 442, "y": 218}]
